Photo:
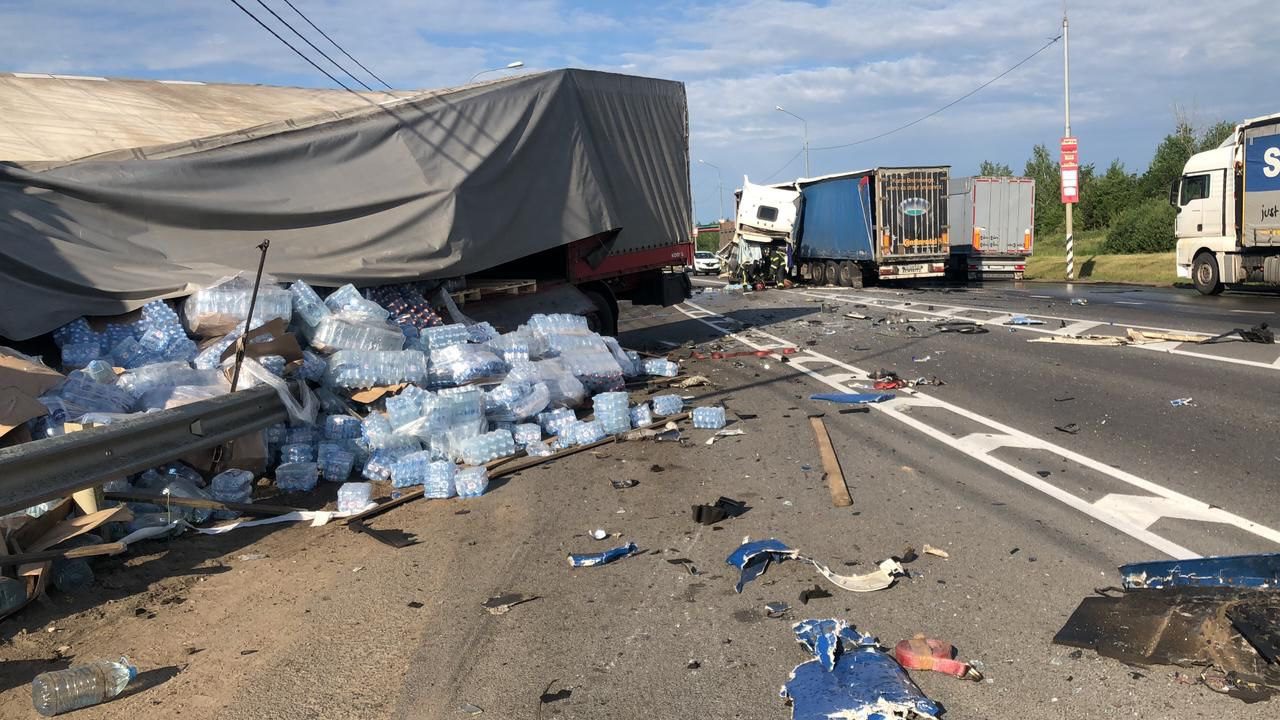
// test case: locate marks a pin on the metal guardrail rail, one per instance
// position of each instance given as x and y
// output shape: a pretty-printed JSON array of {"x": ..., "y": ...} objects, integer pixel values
[{"x": 42, "y": 470}]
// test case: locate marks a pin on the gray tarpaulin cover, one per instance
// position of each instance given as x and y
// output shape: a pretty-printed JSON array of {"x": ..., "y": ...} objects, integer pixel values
[{"x": 439, "y": 185}]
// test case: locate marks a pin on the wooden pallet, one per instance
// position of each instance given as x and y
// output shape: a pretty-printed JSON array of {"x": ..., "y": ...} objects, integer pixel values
[{"x": 478, "y": 289}]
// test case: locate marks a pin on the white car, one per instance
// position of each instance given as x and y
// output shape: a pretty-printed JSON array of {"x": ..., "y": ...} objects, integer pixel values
[{"x": 706, "y": 263}]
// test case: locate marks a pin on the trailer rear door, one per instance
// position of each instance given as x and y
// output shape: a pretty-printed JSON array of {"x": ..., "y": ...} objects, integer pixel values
[
  {"x": 1002, "y": 210},
  {"x": 912, "y": 204}
]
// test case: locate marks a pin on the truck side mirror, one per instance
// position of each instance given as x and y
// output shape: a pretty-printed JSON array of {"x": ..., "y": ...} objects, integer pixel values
[{"x": 1173, "y": 193}]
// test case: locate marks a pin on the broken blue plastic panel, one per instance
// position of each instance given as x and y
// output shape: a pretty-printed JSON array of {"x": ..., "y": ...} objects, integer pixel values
[
  {"x": 1023, "y": 320},
  {"x": 601, "y": 558},
  {"x": 850, "y": 677},
  {"x": 853, "y": 398},
  {"x": 1257, "y": 572},
  {"x": 753, "y": 558}
]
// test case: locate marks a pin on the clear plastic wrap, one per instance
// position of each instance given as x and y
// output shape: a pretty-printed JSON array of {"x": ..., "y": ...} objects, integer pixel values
[
  {"x": 224, "y": 306},
  {"x": 364, "y": 369},
  {"x": 463, "y": 364}
]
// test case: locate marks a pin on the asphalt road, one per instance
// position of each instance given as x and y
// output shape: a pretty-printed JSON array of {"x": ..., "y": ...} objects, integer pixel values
[{"x": 332, "y": 624}]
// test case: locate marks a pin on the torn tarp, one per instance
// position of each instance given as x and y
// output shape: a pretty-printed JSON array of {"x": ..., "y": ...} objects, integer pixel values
[
  {"x": 1257, "y": 572},
  {"x": 601, "y": 558},
  {"x": 850, "y": 677}
]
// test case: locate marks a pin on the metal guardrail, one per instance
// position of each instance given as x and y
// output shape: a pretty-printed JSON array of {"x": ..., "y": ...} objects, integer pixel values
[{"x": 42, "y": 470}]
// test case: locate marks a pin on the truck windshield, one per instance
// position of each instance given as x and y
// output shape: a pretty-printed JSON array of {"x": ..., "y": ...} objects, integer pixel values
[{"x": 1194, "y": 187}]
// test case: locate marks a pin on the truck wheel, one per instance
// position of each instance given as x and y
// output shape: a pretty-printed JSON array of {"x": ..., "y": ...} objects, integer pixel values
[
  {"x": 603, "y": 320},
  {"x": 804, "y": 272},
  {"x": 847, "y": 271},
  {"x": 832, "y": 273},
  {"x": 1204, "y": 274}
]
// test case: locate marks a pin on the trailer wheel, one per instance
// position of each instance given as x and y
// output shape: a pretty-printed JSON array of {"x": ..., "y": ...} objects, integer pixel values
[
  {"x": 1204, "y": 274},
  {"x": 832, "y": 273},
  {"x": 847, "y": 271},
  {"x": 604, "y": 320},
  {"x": 803, "y": 269}
]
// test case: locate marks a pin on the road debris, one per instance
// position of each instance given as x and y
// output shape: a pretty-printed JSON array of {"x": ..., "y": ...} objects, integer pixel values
[
  {"x": 727, "y": 432},
  {"x": 923, "y": 359},
  {"x": 692, "y": 381},
  {"x": 752, "y": 558},
  {"x": 1257, "y": 334},
  {"x": 1069, "y": 428},
  {"x": 850, "y": 676},
  {"x": 961, "y": 327},
  {"x": 926, "y": 653},
  {"x": 1098, "y": 340},
  {"x": 1079, "y": 301},
  {"x": 813, "y": 593},
  {"x": 1023, "y": 320},
  {"x": 1217, "y": 613},
  {"x": 776, "y": 609},
  {"x": 470, "y": 709},
  {"x": 502, "y": 604},
  {"x": 602, "y": 558},
  {"x": 624, "y": 484},
  {"x": 937, "y": 552},
  {"x": 834, "y": 475},
  {"x": 853, "y": 398},
  {"x": 1181, "y": 402},
  {"x": 723, "y": 509},
  {"x": 598, "y": 534}
]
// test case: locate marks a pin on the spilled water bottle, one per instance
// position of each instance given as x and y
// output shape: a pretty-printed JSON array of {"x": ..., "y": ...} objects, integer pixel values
[{"x": 60, "y": 691}]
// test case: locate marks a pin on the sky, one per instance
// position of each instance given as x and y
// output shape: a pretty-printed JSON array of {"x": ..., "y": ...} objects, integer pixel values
[{"x": 852, "y": 69}]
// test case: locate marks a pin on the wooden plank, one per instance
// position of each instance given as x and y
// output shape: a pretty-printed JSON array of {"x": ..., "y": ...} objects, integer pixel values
[
  {"x": 840, "y": 496},
  {"x": 41, "y": 556},
  {"x": 246, "y": 508}
]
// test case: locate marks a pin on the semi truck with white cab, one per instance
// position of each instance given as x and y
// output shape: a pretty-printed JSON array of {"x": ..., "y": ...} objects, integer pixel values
[
  {"x": 1228, "y": 202},
  {"x": 992, "y": 226},
  {"x": 850, "y": 228}
]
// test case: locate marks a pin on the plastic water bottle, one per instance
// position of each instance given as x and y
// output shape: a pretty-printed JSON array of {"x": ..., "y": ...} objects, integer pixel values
[
  {"x": 307, "y": 305},
  {"x": 341, "y": 427},
  {"x": 297, "y": 453},
  {"x": 354, "y": 496},
  {"x": 471, "y": 482},
  {"x": 667, "y": 404},
  {"x": 231, "y": 486},
  {"x": 526, "y": 433},
  {"x": 439, "y": 481},
  {"x": 100, "y": 372},
  {"x": 292, "y": 477},
  {"x": 708, "y": 418},
  {"x": 660, "y": 367},
  {"x": 641, "y": 415},
  {"x": 60, "y": 691},
  {"x": 611, "y": 412}
]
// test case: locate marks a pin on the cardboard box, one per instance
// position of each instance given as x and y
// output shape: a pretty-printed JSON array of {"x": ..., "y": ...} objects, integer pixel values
[
  {"x": 22, "y": 380},
  {"x": 274, "y": 341},
  {"x": 247, "y": 452}
]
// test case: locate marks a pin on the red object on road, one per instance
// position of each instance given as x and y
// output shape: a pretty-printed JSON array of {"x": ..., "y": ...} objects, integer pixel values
[{"x": 925, "y": 653}]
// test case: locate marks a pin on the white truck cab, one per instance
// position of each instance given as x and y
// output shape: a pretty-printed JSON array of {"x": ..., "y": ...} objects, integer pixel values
[{"x": 1228, "y": 202}]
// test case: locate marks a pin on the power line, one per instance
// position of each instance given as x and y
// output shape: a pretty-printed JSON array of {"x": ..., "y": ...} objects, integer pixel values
[
  {"x": 313, "y": 45},
  {"x": 784, "y": 165},
  {"x": 296, "y": 50},
  {"x": 966, "y": 96},
  {"x": 335, "y": 44}
]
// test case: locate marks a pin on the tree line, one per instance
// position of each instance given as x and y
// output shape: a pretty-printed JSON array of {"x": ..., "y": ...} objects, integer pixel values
[{"x": 1132, "y": 208}]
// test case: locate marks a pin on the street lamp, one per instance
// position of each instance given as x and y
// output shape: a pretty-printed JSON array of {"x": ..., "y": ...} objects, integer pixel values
[
  {"x": 719, "y": 187},
  {"x": 508, "y": 66},
  {"x": 780, "y": 109}
]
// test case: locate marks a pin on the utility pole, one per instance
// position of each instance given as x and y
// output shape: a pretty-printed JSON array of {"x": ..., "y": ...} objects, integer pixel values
[
  {"x": 1066, "y": 94},
  {"x": 807, "y": 171}
]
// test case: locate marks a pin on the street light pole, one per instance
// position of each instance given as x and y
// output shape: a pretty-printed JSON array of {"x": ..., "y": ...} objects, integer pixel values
[
  {"x": 1066, "y": 94},
  {"x": 719, "y": 188},
  {"x": 807, "y": 171},
  {"x": 509, "y": 66}
]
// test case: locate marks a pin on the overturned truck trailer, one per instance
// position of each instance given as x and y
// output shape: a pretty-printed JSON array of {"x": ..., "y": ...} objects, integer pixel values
[{"x": 577, "y": 179}]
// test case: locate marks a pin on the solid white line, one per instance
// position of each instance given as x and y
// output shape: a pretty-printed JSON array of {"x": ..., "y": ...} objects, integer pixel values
[
  {"x": 1007, "y": 436},
  {"x": 1127, "y": 302},
  {"x": 1041, "y": 297},
  {"x": 1254, "y": 312}
]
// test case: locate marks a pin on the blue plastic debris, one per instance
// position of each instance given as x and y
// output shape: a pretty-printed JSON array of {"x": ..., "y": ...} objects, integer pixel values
[
  {"x": 1258, "y": 572},
  {"x": 753, "y": 558},
  {"x": 601, "y": 558},
  {"x": 850, "y": 677},
  {"x": 853, "y": 398},
  {"x": 1023, "y": 320}
]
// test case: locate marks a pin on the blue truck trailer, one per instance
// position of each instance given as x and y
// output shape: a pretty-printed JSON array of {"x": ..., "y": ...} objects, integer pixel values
[{"x": 880, "y": 224}]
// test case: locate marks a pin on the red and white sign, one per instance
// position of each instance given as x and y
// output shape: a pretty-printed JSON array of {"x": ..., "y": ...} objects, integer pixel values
[{"x": 1070, "y": 170}]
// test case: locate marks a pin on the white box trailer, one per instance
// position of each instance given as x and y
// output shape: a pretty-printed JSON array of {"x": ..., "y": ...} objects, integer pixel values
[{"x": 992, "y": 223}]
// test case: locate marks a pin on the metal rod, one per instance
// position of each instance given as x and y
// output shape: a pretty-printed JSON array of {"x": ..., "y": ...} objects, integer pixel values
[{"x": 248, "y": 321}]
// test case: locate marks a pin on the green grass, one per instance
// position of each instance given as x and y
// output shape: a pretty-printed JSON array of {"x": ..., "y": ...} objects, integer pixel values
[{"x": 1049, "y": 262}]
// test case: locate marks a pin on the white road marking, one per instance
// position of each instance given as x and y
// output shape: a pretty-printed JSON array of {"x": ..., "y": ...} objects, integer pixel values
[
  {"x": 1127, "y": 302},
  {"x": 1041, "y": 297},
  {"x": 1132, "y": 515},
  {"x": 945, "y": 311},
  {"x": 1254, "y": 312}
]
